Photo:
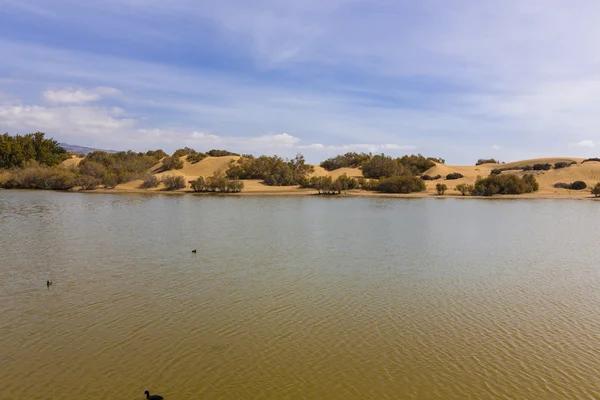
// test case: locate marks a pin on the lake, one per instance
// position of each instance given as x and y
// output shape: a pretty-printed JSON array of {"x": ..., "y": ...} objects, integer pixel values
[{"x": 297, "y": 297}]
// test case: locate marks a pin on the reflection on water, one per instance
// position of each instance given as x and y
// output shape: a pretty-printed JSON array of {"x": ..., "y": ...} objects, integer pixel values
[{"x": 297, "y": 298}]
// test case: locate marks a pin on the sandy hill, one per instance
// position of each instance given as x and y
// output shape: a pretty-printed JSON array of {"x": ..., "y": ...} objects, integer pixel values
[
  {"x": 205, "y": 167},
  {"x": 72, "y": 162},
  {"x": 588, "y": 172},
  {"x": 351, "y": 172}
]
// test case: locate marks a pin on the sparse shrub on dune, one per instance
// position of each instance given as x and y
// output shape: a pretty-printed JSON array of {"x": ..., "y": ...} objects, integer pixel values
[
  {"x": 562, "y": 185},
  {"x": 487, "y": 161},
  {"x": 591, "y": 159},
  {"x": 596, "y": 190},
  {"x": 496, "y": 171},
  {"x": 367, "y": 184},
  {"x": 564, "y": 164},
  {"x": 221, "y": 153},
  {"x": 382, "y": 166},
  {"x": 401, "y": 184},
  {"x": 150, "y": 181},
  {"x": 578, "y": 185},
  {"x": 171, "y": 163},
  {"x": 431, "y": 178},
  {"x": 348, "y": 160},
  {"x": 465, "y": 188},
  {"x": 441, "y": 188},
  {"x": 196, "y": 157},
  {"x": 542, "y": 167},
  {"x": 505, "y": 184},
  {"x": 454, "y": 175},
  {"x": 174, "y": 182}
]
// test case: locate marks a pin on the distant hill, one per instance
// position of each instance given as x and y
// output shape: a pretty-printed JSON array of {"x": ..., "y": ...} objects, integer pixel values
[{"x": 81, "y": 149}]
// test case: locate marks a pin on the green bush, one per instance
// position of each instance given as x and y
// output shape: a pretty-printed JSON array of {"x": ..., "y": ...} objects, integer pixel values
[
  {"x": 464, "y": 188},
  {"x": 416, "y": 165},
  {"x": 454, "y": 175},
  {"x": 199, "y": 184},
  {"x": 367, "y": 184},
  {"x": 35, "y": 176},
  {"x": 563, "y": 164},
  {"x": 171, "y": 163},
  {"x": 578, "y": 185},
  {"x": 441, "y": 188},
  {"x": 487, "y": 161},
  {"x": 150, "y": 181},
  {"x": 590, "y": 159},
  {"x": 496, "y": 171},
  {"x": 505, "y": 184},
  {"x": 348, "y": 160},
  {"x": 174, "y": 182},
  {"x": 401, "y": 184},
  {"x": 221, "y": 153},
  {"x": 542, "y": 167},
  {"x": 431, "y": 178},
  {"x": 186, "y": 151},
  {"x": 527, "y": 168},
  {"x": 596, "y": 190},
  {"x": 274, "y": 171},
  {"x": 87, "y": 182},
  {"x": 382, "y": 166},
  {"x": 18, "y": 149},
  {"x": 196, "y": 157},
  {"x": 217, "y": 182},
  {"x": 123, "y": 166},
  {"x": 562, "y": 185}
]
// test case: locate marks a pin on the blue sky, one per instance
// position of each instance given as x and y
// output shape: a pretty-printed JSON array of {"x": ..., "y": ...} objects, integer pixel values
[{"x": 455, "y": 79}]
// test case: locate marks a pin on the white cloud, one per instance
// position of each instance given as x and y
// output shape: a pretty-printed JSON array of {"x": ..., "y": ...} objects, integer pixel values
[
  {"x": 78, "y": 96},
  {"x": 585, "y": 143},
  {"x": 371, "y": 147}
]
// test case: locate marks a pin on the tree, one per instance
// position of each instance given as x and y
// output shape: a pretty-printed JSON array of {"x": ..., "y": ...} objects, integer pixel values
[
  {"x": 348, "y": 160},
  {"x": 578, "y": 185},
  {"x": 487, "y": 161},
  {"x": 174, "y": 182},
  {"x": 596, "y": 190},
  {"x": 150, "y": 181},
  {"x": 381, "y": 166},
  {"x": 441, "y": 188},
  {"x": 401, "y": 184},
  {"x": 171, "y": 163},
  {"x": 199, "y": 184},
  {"x": 464, "y": 188},
  {"x": 454, "y": 175}
]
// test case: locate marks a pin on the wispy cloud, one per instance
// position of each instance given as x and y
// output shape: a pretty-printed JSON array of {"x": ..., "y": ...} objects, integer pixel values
[
  {"x": 78, "y": 96},
  {"x": 585, "y": 143},
  {"x": 336, "y": 75}
]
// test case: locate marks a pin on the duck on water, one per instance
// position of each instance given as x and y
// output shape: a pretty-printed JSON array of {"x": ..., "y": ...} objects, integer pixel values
[{"x": 153, "y": 397}]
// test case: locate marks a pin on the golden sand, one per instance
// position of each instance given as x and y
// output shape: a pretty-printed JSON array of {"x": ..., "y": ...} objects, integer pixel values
[{"x": 588, "y": 172}]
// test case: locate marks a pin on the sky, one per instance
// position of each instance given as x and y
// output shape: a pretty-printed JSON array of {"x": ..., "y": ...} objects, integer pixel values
[{"x": 457, "y": 79}]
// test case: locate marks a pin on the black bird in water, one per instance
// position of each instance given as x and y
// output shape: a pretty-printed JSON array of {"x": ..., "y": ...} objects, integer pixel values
[
  {"x": 193, "y": 251},
  {"x": 153, "y": 397},
  {"x": 48, "y": 283}
]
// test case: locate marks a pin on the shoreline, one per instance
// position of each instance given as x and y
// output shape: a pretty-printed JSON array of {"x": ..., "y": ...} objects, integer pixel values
[{"x": 350, "y": 194}]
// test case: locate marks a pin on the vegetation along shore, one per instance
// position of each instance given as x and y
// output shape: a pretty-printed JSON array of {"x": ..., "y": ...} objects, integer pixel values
[{"x": 33, "y": 161}]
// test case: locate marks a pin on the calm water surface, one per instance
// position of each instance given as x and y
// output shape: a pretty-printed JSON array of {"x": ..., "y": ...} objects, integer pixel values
[{"x": 297, "y": 298}]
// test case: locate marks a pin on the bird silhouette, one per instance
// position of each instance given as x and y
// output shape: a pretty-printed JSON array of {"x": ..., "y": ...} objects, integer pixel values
[
  {"x": 153, "y": 397},
  {"x": 193, "y": 251},
  {"x": 48, "y": 283}
]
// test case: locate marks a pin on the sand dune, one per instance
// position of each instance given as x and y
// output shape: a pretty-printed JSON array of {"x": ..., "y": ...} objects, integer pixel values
[
  {"x": 588, "y": 172},
  {"x": 351, "y": 172},
  {"x": 206, "y": 167},
  {"x": 72, "y": 162}
]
